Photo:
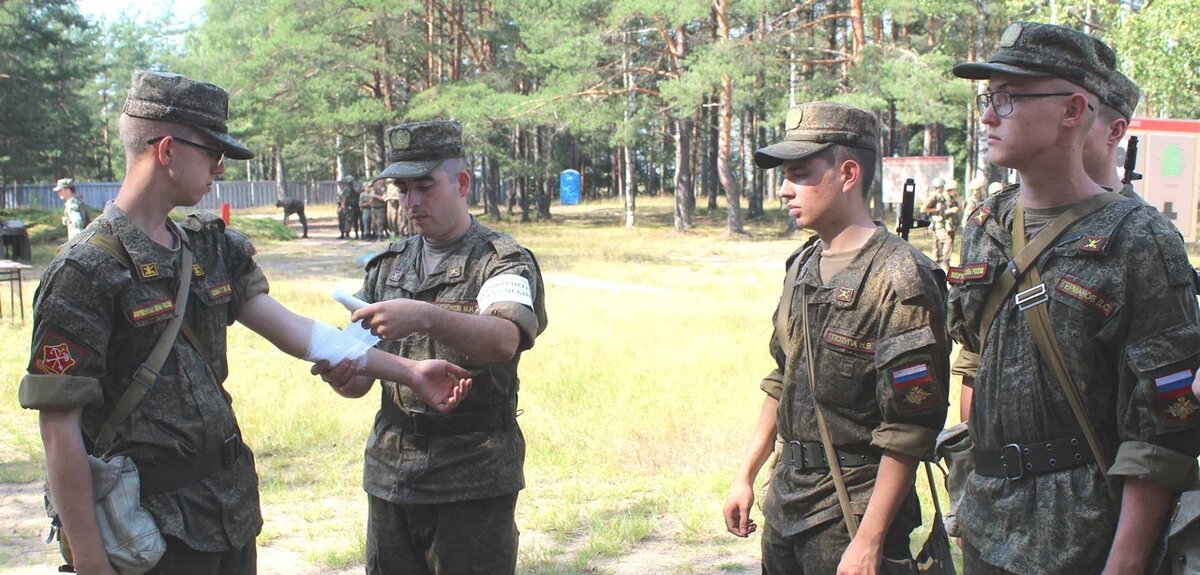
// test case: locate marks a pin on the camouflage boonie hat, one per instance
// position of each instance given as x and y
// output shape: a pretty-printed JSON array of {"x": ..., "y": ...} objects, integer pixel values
[
  {"x": 417, "y": 148},
  {"x": 1037, "y": 50},
  {"x": 814, "y": 127},
  {"x": 178, "y": 99},
  {"x": 63, "y": 184}
]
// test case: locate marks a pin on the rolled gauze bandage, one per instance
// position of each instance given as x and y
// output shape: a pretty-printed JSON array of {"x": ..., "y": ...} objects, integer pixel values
[
  {"x": 332, "y": 345},
  {"x": 350, "y": 302}
]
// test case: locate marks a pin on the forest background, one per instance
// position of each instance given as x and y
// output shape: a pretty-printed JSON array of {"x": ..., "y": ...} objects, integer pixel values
[{"x": 640, "y": 96}]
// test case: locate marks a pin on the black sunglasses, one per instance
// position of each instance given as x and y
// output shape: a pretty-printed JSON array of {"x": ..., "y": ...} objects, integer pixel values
[{"x": 218, "y": 155}]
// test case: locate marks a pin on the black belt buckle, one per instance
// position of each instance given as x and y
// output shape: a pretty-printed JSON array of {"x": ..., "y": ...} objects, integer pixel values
[
  {"x": 1020, "y": 461},
  {"x": 420, "y": 424},
  {"x": 231, "y": 451}
]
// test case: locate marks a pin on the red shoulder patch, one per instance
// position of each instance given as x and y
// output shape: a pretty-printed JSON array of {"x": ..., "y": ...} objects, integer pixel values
[
  {"x": 1092, "y": 244},
  {"x": 968, "y": 272},
  {"x": 57, "y": 355},
  {"x": 981, "y": 215}
]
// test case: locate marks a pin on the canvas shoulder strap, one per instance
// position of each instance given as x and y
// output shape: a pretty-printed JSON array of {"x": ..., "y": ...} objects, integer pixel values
[
  {"x": 1026, "y": 255},
  {"x": 147, "y": 374},
  {"x": 1043, "y": 336},
  {"x": 789, "y": 291}
]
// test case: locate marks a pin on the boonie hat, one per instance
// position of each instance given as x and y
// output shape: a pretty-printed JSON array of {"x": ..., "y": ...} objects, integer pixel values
[
  {"x": 415, "y": 149},
  {"x": 178, "y": 99},
  {"x": 1037, "y": 50},
  {"x": 977, "y": 183},
  {"x": 814, "y": 127},
  {"x": 64, "y": 183},
  {"x": 951, "y": 185}
]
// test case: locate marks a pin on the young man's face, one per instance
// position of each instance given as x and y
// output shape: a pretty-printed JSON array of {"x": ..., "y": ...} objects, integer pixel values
[
  {"x": 194, "y": 168},
  {"x": 813, "y": 191},
  {"x": 434, "y": 203},
  {"x": 1022, "y": 136},
  {"x": 65, "y": 193},
  {"x": 1098, "y": 160}
]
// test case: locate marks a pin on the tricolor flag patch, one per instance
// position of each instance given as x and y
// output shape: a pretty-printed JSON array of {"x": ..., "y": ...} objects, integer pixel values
[
  {"x": 913, "y": 387},
  {"x": 1175, "y": 399}
]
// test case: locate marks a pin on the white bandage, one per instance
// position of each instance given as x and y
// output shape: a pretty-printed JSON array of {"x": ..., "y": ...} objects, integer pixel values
[
  {"x": 505, "y": 287},
  {"x": 349, "y": 301},
  {"x": 332, "y": 345}
]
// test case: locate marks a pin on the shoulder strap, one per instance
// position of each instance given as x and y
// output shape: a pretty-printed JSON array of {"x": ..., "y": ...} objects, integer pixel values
[
  {"x": 789, "y": 292},
  {"x": 1026, "y": 255},
  {"x": 1043, "y": 336},
  {"x": 146, "y": 375},
  {"x": 835, "y": 468}
]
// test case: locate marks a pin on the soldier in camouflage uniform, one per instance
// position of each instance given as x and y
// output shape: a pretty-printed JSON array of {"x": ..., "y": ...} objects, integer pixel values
[
  {"x": 1119, "y": 296},
  {"x": 877, "y": 323},
  {"x": 104, "y": 302},
  {"x": 1103, "y": 140},
  {"x": 73, "y": 209},
  {"x": 347, "y": 209},
  {"x": 442, "y": 491},
  {"x": 943, "y": 210}
]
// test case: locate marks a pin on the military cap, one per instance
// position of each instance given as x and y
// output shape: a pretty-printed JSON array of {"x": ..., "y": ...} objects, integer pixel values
[
  {"x": 178, "y": 99},
  {"x": 64, "y": 183},
  {"x": 415, "y": 149},
  {"x": 1037, "y": 50},
  {"x": 977, "y": 183},
  {"x": 938, "y": 183},
  {"x": 1123, "y": 95},
  {"x": 951, "y": 184},
  {"x": 814, "y": 127}
]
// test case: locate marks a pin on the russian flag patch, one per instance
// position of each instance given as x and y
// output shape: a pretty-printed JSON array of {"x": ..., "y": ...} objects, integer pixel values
[
  {"x": 913, "y": 387},
  {"x": 1175, "y": 399}
]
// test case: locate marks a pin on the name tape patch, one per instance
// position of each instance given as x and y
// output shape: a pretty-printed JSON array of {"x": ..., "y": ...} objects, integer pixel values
[
  {"x": 1093, "y": 298},
  {"x": 152, "y": 309},
  {"x": 968, "y": 272},
  {"x": 220, "y": 290},
  {"x": 458, "y": 306},
  {"x": 849, "y": 342},
  {"x": 505, "y": 287}
]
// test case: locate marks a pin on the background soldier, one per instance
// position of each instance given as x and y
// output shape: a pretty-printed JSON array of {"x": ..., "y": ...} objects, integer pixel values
[
  {"x": 442, "y": 491},
  {"x": 881, "y": 359},
  {"x": 100, "y": 309},
  {"x": 1102, "y": 145},
  {"x": 75, "y": 214},
  {"x": 365, "y": 213},
  {"x": 943, "y": 209},
  {"x": 975, "y": 195},
  {"x": 379, "y": 210},
  {"x": 347, "y": 208},
  {"x": 1118, "y": 298},
  {"x": 293, "y": 206},
  {"x": 391, "y": 195}
]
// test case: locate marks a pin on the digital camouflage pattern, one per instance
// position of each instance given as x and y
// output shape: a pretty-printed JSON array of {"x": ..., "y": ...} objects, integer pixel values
[
  {"x": 815, "y": 126},
  {"x": 95, "y": 323},
  {"x": 416, "y": 148},
  {"x": 475, "y": 536},
  {"x": 1123, "y": 309},
  {"x": 178, "y": 99},
  {"x": 820, "y": 551},
  {"x": 882, "y": 355},
  {"x": 1043, "y": 50}
]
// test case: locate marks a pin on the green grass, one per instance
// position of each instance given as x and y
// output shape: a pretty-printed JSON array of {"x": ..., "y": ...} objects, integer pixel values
[{"x": 638, "y": 400}]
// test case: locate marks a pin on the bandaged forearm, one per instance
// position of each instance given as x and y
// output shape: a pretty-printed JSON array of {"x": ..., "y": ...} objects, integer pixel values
[{"x": 333, "y": 345}]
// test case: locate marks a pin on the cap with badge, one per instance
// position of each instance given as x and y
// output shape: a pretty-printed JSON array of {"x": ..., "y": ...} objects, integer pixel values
[
  {"x": 1037, "y": 50},
  {"x": 415, "y": 149},
  {"x": 63, "y": 184},
  {"x": 814, "y": 127},
  {"x": 168, "y": 97}
]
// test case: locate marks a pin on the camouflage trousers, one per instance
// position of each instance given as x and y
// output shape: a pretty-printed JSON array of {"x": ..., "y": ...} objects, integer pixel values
[
  {"x": 818, "y": 551},
  {"x": 183, "y": 560},
  {"x": 460, "y": 538}
]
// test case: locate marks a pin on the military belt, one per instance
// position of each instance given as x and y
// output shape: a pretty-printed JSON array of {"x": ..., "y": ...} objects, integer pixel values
[
  {"x": 166, "y": 477},
  {"x": 810, "y": 456},
  {"x": 422, "y": 424},
  {"x": 1017, "y": 460}
]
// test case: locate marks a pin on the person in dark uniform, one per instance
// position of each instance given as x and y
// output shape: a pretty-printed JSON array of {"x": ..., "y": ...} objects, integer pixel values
[{"x": 293, "y": 206}]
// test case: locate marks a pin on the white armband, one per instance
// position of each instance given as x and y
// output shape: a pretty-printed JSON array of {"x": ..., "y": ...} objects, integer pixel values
[{"x": 505, "y": 287}]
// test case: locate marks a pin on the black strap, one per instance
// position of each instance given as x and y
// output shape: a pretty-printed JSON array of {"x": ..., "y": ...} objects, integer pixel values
[
  {"x": 177, "y": 474},
  {"x": 810, "y": 456},
  {"x": 1017, "y": 460},
  {"x": 421, "y": 424}
]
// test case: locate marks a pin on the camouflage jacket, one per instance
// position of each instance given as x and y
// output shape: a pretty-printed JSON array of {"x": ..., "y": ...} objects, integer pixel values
[
  {"x": 1124, "y": 313},
  {"x": 877, "y": 322},
  {"x": 947, "y": 215},
  {"x": 95, "y": 323},
  {"x": 405, "y": 469}
]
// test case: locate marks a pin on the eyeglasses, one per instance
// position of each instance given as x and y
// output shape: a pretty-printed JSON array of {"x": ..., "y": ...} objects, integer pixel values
[
  {"x": 1002, "y": 102},
  {"x": 218, "y": 155}
]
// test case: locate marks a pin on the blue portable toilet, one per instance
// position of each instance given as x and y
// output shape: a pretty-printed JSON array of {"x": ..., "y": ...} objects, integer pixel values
[{"x": 568, "y": 187}]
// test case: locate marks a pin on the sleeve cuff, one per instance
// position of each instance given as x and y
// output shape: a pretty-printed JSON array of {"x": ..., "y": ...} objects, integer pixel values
[
  {"x": 773, "y": 384},
  {"x": 906, "y": 439},
  {"x": 526, "y": 320},
  {"x": 1156, "y": 464},
  {"x": 58, "y": 391}
]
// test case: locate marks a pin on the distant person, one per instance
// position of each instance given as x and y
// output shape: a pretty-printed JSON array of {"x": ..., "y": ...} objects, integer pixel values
[
  {"x": 103, "y": 304},
  {"x": 875, "y": 309},
  {"x": 943, "y": 209},
  {"x": 975, "y": 195},
  {"x": 347, "y": 209},
  {"x": 442, "y": 490},
  {"x": 379, "y": 210},
  {"x": 397, "y": 222},
  {"x": 293, "y": 206},
  {"x": 366, "y": 213},
  {"x": 75, "y": 215}
]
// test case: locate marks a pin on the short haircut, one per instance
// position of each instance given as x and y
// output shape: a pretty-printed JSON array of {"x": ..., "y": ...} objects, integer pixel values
[
  {"x": 838, "y": 153},
  {"x": 135, "y": 132},
  {"x": 1109, "y": 114},
  {"x": 451, "y": 167}
]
